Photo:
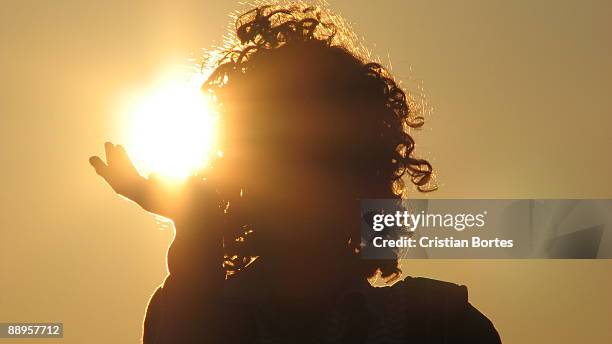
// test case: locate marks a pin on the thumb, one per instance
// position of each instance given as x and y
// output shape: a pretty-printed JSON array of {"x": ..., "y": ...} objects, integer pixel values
[{"x": 99, "y": 165}]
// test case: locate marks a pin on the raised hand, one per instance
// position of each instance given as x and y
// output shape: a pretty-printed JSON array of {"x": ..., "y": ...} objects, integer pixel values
[
  {"x": 120, "y": 173},
  {"x": 193, "y": 200}
]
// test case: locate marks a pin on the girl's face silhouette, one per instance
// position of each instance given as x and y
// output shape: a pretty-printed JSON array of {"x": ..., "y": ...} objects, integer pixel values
[
  {"x": 287, "y": 155},
  {"x": 289, "y": 149},
  {"x": 290, "y": 139}
]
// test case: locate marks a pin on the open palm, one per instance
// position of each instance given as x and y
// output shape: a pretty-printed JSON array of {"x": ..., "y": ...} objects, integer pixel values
[
  {"x": 119, "y": 172},
  {"x": 197, "y": 197}
]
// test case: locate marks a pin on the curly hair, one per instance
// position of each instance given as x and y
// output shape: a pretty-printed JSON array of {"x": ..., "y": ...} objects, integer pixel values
[{"x": 269, "y": 29}]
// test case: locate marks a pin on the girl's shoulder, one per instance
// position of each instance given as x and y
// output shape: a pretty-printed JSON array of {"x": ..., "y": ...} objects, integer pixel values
[{"x": 427, "y": 297}]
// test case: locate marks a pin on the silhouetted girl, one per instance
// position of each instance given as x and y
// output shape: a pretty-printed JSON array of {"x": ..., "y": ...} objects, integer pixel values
[{"x": 267, "y": 246}]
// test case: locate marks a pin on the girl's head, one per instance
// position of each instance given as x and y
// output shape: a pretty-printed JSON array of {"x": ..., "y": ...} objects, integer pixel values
[{"x": 311, "y": 122}]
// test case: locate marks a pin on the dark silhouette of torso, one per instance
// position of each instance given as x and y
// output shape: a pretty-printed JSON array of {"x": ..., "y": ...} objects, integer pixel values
[{"x": 414, "y": 310}]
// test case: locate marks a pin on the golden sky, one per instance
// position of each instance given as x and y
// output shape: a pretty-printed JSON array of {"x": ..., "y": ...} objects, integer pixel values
[{"x": 521, "y": 91}]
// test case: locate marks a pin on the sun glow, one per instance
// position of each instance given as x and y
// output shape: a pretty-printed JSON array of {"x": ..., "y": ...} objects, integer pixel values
[{"x": 172, "y": 129}]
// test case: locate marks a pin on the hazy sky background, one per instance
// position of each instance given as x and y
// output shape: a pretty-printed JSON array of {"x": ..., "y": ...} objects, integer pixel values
[{"x": 523, "y": 110}]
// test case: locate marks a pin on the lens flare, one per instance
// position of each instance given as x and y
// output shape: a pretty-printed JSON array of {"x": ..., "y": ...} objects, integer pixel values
[{"x": 172, "y": 130}]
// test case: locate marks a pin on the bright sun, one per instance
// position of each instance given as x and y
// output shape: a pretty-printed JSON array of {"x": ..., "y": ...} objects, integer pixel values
[{"x": 172, "y": 130}]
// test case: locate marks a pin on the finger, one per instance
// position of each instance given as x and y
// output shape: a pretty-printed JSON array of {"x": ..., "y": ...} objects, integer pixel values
[
  {"x": 109, "y": 150},
  {"x": 121, "y": 156},
  {"x": 99, "y": 165}
]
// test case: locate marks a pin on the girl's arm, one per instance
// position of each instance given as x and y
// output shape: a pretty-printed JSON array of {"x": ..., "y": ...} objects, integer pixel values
[{"x": 187, "y": 308}]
